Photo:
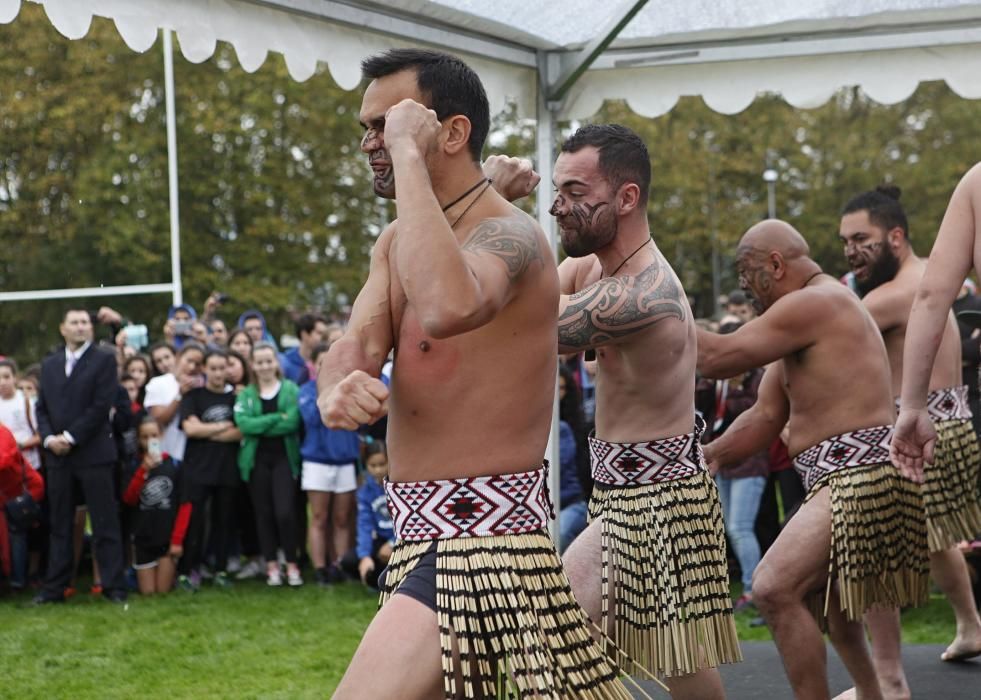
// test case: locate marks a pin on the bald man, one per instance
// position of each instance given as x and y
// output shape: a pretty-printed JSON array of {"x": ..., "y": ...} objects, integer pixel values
[{"x": 859, "y": 540}]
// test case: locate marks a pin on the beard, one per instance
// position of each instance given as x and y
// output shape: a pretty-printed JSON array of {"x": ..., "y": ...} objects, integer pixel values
[
  {"x": 881, "y": 270},
  {"x": 383, "y": 180},
  {"x": 587, "y": 229}
]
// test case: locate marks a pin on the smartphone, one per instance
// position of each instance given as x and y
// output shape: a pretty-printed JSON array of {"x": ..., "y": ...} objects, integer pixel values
[{"x": 153, "y": 449}]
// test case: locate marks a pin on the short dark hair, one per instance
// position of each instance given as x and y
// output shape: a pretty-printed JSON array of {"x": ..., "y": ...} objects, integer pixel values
[
  {"x": 737, "y": 297},
  {"x": 307, "y": 322},
  {"x": 10, "y": 364},
  {"x": 215, "y": 352},
  {"x": 318, "y": 350},
  {"x": 75, "y": 309},
  {"x": 623, "y": 155},
  {"x": 375, "y": 447},
  {"x": 883, "y": 207},
  {"x": 449, "y": 85}
]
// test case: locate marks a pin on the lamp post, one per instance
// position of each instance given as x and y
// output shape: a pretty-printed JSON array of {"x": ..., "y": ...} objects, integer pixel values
[{"x": 770, "y": 178}]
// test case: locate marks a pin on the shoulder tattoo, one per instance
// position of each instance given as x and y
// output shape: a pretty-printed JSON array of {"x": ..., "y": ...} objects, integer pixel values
[
  {"x": 615, "y": 307},
  {"x": 513, "y": 240}
]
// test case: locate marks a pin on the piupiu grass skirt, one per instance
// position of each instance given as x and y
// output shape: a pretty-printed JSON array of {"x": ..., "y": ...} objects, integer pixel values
[
  {"x": 665, "y": 576},
  {"x": 506, "y": 602},
  {"x": 950, "y": 486},
  {"x": 878, "y": 541}
]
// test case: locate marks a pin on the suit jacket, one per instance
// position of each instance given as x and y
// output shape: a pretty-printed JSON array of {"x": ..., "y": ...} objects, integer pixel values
[{"x": 79, "y": 404}]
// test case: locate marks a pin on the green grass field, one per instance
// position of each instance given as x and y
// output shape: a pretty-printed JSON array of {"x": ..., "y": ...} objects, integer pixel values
[{"x": 247, "y": 642}]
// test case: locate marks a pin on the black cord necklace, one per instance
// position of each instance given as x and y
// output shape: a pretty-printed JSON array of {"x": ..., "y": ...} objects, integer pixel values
[
  {"x": 628, "y": 257},
  {"x": 464, "y": 195},
  {"x": 808, "y": 280},
  {"x": 470, "y": 206}
]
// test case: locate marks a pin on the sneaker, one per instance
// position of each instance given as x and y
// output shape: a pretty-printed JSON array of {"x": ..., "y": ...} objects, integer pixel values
[
  {"x": 96, "y": 589},
  {"x": 221, "y": 580},
  {"x": 234, "y": 565},
  {"x": 293, "y": 577},
  {"x": 274, "y": 577},
  {"x": 69, "y": 592},
  {"x": 252, "y": 569},
  {"x": 185, "y": 584},
  {"x": 320, "y": 577},
  {"x": 743, "y": 603},
  {"x": 335, "y": 575},
  {"x": 204, "y": 572}
]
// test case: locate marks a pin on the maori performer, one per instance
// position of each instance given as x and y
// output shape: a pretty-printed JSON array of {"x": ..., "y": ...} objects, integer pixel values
[
  {"x": 859, "y": 540},
  {"x": 651, "y": 566},
  {"x": 875, "y": 234},
  {"x": 463, "y": 286}
]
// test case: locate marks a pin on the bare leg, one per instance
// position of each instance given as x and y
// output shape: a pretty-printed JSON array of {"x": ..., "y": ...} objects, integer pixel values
[
  {"x": 949, "y": 570},
  {"x": 147, "y": 581},
  {"x": 317, "y": 529},
  {"x": 582, "y": 562},
  {"x": 399, "y": 655},
  {"x": 794, "y": 566},
  {"x": 340, "y": 523},
  {"x": 166, "y": 569},
  {"x": 848, "y": 638}
]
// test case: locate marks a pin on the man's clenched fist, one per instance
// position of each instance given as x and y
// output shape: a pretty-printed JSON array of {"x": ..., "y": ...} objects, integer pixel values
[{"x": 357, "y": 400}]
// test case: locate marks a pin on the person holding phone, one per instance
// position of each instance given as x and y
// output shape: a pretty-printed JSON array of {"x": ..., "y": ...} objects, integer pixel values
[
  {"x": 160, "y": 523},
  {"x": 164, "y": 394}
]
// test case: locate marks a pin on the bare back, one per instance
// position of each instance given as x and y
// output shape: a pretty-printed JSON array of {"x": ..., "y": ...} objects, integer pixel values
[
  {"x": 890, "y": 305},
  {"x": 477, "y": 403},
  {"x": 645, "y": 380},
  {"x": 841, "y": 381}
]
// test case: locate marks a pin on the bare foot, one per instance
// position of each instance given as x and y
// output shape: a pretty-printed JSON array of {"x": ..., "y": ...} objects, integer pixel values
[
  {"x": 962, "y": 649},
  {"x": 890, "y": 691},
  {"x": 849, "y": 694}
]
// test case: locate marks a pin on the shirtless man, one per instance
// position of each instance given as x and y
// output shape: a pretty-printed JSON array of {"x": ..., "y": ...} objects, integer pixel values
[
  {"x": 860, "y": 534},
  {"x": 875, "y": 234},
  {"x": 955, "y": 253},
  {"x": 463, "y": 287},
  {"x": 651, "y": 565}
]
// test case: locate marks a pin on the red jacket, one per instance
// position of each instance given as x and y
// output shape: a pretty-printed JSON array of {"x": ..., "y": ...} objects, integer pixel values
[{"x": 12, "y": 485}]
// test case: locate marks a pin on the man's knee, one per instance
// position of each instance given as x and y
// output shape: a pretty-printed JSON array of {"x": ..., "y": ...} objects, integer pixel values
[{"x": 769, "y": 592}]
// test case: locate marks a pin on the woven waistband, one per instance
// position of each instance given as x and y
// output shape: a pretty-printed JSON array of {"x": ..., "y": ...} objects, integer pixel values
[
  {"x": 636, "y": 463},
  {"x": 504, "y": 504},
  {"x": 857, "y": 448},
  {"x": 949, "y": 404}
]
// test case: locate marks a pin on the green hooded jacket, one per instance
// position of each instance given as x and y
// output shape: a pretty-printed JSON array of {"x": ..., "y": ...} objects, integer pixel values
[{"x": 253, "y": 423}]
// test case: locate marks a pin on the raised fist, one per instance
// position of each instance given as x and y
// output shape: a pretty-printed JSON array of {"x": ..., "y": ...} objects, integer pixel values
[
  {"x": 356, "y": 400},
  {"x": 513, "y": 178},
  {"x": 410, "y": 124}
]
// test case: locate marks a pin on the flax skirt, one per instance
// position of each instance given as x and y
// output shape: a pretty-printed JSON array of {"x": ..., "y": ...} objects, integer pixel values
[
  {"x": 665, "y": 576},
  {"x": 950, "y": 487},
  {"x": 878, "y": 541},
  {"x": 507, "y": 604}
]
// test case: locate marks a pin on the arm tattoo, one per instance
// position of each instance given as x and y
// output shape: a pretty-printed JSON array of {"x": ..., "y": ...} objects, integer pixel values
[
  {"x": 513, "y": 240},
  {"x": 616, "y": 307}
]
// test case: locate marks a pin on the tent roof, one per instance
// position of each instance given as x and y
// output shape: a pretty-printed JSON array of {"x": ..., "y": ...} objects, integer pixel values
[{"x": 727, "y": 51}]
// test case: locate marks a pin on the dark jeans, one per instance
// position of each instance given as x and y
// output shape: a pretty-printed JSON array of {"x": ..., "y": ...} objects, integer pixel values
[
  {"x": 221, "y": 500},
  {"x": 98, "y": 487},
  {"x": 274, "y": 499}
]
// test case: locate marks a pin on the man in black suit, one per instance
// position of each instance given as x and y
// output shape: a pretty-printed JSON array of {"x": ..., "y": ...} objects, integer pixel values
[{"x": 78, "y": 386}]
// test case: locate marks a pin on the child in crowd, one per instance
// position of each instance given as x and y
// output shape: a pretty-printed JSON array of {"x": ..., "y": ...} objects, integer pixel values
[
  {"x": 30, "y": 385},
  {"x": 376, "y": 535},
  {"x": 16, "y": 475},
  {"x": 210, "y": 472},
  {"x": 17, "y": 414},
  {"x": 267, "y": 413},
  {"x": 160, "y": 524},
  {"x": 329, "y": 480}
]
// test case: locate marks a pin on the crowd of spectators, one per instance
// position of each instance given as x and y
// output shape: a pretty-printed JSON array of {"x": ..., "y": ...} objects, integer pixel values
[{"x": 201, "y": 457}]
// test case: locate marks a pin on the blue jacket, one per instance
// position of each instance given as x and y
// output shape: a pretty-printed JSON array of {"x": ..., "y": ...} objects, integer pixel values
[
  {"x": 570, "y": 491},
  {"x": 374, "y": 520},
  {"x": 295, "y": 367},
  {"x": 320, "y": 443}
]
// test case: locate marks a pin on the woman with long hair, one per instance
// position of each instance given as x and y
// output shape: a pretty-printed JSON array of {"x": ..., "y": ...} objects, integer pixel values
[{"x": 267, "y": 412}]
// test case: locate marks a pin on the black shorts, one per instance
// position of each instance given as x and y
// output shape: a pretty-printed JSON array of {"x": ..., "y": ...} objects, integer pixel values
[
  {"x": 146, "y": 557},
  {"x": 420, "y": 583}
]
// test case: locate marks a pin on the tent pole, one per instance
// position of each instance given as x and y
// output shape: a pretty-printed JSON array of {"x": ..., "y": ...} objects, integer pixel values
[
  {"x": 175, "y": 231},
  {"x": 545, "y": 157}
]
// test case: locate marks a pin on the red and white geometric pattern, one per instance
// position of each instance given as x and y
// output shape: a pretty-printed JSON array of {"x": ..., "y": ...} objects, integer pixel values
[
  {"x": 854, "y": 449},
  {"x": 949, "y": 404},
  {"x": 635, "y": 463},
  {"x": 474, "y": 507}
]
